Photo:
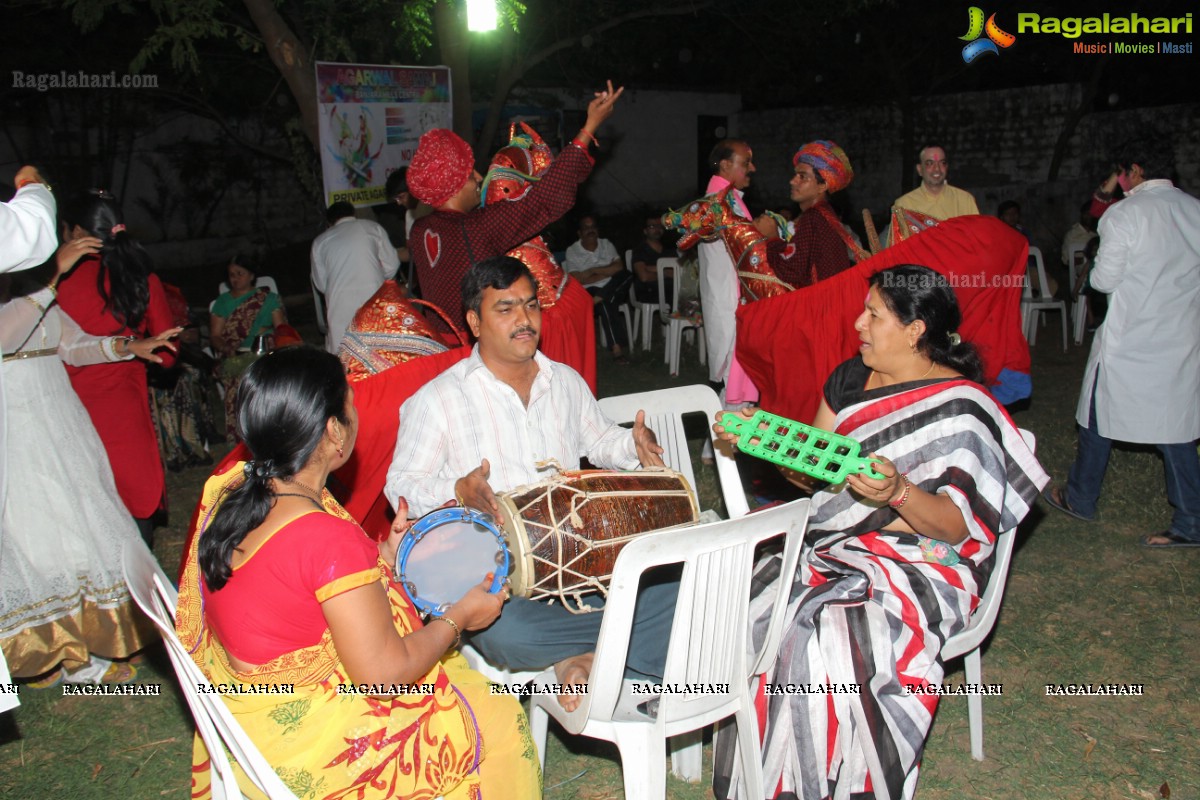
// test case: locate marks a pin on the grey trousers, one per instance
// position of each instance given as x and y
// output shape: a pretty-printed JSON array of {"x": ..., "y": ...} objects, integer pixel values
[{"x": 532, "y": 634}]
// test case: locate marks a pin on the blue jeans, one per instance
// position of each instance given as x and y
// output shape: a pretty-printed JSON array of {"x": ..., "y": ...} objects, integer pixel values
[
  {"x": 532, "y": 634},
  {"x": 1182, "y": 468}
]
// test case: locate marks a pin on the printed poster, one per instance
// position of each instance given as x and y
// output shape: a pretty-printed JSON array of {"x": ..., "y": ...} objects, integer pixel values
[{"x": 371, "y": 117}]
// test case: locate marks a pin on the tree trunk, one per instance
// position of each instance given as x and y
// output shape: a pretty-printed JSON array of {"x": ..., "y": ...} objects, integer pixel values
[
  {"x": 292, "y": 61},
  {"x": 454, "y": 45},
  {"x": 1073, "y": 117}
]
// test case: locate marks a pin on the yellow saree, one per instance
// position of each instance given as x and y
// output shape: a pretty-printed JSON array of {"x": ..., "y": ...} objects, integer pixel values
[{"x": 449, "y": 737}]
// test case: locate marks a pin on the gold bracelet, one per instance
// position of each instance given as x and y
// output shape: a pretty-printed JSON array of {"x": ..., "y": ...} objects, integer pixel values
[
  {"x": 457, "y": 630},
  {"x": 903, "y": 495}
]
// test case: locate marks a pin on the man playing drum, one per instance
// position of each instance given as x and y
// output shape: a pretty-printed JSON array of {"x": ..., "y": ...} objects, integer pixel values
[{"x": 505, "y": 417}]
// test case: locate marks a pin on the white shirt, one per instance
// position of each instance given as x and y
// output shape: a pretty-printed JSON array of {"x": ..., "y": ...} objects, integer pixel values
[
  {"x": 466, "y": 414},
  {"x": 350, "y": 261},
  {"x": 27, "y": 235},
  {"x": 579, "y": 258},
  {"x": 1145, "y": 359}
]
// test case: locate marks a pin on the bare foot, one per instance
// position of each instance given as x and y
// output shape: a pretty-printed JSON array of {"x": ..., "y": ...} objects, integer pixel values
[{"x": 573, "y": 670}]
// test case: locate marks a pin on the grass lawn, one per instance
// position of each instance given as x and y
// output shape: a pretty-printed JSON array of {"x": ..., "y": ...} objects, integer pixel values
[{"x": 1085, "y": 604}]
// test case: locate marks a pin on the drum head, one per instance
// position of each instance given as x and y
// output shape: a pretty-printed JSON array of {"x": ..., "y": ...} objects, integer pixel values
[{"x": 439, "y": 563}]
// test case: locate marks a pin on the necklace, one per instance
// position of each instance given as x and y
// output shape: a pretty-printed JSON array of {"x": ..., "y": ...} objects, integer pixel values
[
  {"x": 304, "y": 496},
  {"x": 878, "y": 380},
  {"x": 292, "y": 481}
]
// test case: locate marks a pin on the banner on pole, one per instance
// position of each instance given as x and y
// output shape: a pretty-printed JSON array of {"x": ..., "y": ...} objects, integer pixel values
[{"x": 371, "y": 117}]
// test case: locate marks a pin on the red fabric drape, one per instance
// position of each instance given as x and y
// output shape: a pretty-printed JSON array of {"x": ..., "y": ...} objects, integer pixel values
[
  {"x": 568, "y": 336},
  {"x": 790, "y": 344}
]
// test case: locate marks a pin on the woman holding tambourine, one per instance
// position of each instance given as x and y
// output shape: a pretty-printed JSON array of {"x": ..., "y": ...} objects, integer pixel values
[{"x": 282, "y": 588}]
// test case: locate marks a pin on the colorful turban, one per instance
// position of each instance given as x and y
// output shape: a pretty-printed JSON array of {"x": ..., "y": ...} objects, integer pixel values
[
  {"x": 442, "y": 164},
  {"x": 826, "y": 157}
]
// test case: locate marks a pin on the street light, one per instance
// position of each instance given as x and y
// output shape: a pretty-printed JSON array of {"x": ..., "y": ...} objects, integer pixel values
[{"x": 481, "y": 15}]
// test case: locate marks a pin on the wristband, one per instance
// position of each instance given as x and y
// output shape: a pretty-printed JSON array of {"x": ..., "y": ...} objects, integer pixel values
[{"x": 903, "y": 495}]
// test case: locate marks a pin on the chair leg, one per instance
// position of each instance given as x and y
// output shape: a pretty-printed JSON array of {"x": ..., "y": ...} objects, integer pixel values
[
  {"x": 1064, "y": 326},
  {"x": 973, "y": 666},
  {"x": 643, "y": 764},
  {"x": 647, "y": 320},
  {"x": 1033, "y": 326},
  {"x": 687, "y": 755},
  {"x": 750, "y": 751}
]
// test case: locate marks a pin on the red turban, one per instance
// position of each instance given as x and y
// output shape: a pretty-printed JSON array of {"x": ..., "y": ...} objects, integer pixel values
[
  {"x": 441, "y": 166},
  {"x": 830, "y": 160}
]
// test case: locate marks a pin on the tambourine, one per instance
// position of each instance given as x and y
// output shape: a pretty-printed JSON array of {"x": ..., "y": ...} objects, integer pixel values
[{"x": 445, "y": 553}]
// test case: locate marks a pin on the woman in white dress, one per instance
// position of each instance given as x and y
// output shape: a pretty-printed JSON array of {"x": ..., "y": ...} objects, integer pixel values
[{"x": 63, "y": 601}]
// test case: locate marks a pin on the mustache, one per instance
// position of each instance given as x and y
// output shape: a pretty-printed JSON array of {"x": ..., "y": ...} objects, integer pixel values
[{"x": 523, "y": 330}]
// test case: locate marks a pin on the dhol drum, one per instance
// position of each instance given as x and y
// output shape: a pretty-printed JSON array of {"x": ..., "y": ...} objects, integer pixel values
[
  {"x": 445, "y": 553},
  {"x": 565, "y": 532}
]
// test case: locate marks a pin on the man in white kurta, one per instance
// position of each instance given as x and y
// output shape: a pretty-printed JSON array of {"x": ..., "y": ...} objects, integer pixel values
[
  {"x": 350, "y": 261},
  {"x": 732, "y": 162},
  {"x": 27, "y": 239},
  {"x": 1142, "y": 381}
]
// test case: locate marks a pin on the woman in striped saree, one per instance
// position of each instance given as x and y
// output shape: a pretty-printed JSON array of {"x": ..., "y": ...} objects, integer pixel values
[{"x": 891, "y": 567}]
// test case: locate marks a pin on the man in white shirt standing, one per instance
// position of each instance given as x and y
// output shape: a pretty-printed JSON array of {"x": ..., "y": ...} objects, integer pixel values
[
  {"x": 508, "y": 416},
  {"x": 596, "y": 264},
  {"x": 1142, "y": 378},
  {"x": 732, "y": 162},
  {"x": 350, "y": 261}
]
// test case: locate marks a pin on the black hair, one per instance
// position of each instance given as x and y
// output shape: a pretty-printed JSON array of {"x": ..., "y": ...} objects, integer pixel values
[
  {"x": 722, "y": 151},
  {"x": 125, "y": 266},
  {"x": 1153, "y": 153},
  {"x": 339, "y": 210},
  {"x": 284, "y": 401},
  {"x": 913, "y": 292},
  {"x": 497, "y": 272},
  {"x": 930, "y": 147},
  {"x": 246, "y": 261},
  {"x": 1006, "y": 205},
  {"x": 397, "y": 184}
]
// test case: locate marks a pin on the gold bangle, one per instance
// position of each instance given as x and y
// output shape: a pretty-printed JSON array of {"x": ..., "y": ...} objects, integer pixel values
[
  {"x": 903, "y": 495},
  {"x": 457, "y": 630}
]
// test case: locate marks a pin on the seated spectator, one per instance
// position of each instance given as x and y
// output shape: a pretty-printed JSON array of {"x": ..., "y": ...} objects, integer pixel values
[
  {"x": 238, "y": 317},
  {"x": 1010, "y": 213},
  {"x": 596, "y": 264},
  {"x": 1083, "y": 231},
  {"x": 178, "y": 394},
  {"x": 281, "y": 585},
  {"x": 645, "y": 263}
]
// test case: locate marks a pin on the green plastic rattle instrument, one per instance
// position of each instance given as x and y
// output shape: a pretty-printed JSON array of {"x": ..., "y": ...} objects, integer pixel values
[{"x": 822, "y": 454}]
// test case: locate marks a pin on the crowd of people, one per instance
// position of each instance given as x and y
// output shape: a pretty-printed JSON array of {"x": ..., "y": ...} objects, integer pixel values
[{"x": 281, "y": 583}]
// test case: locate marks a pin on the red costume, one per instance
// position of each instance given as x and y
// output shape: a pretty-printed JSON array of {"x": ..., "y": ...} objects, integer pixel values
[
  {"x": 790, "y": 344},
  {"x": 115, "y": 395}
]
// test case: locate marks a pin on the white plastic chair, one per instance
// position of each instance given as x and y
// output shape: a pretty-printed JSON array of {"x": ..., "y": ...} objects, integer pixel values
[
  {"x": 626, "y": 314},
  {"x": 643, "y": 312},
  {"x": 676, "y": 325},
  {"x": 155, "y": 595},
  {"x": 967, "y": 642},
  {"x": 1032, "y": 306},
  {"x": 664, "y": 415},
  {"x": 1076, "y": 262},
  {"x": 706, "y": 647}
]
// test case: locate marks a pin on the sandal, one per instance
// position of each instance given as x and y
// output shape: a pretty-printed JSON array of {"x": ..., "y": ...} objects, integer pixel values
[
  {"x": 119, "y": 672},
  {"x": 1173, "y": 540},
  {"x": 49, "y": 682},
  {"x": 1055, "y": 496}
]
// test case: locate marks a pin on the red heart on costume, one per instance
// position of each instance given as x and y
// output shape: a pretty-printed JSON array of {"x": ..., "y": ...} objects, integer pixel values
[
  {"x": 433, "y": 247},
  {"x": 789, "y": 251}
]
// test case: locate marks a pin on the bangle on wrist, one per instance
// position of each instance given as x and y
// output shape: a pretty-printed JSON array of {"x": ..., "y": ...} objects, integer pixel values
[
  {"x": 899, "y": 502},
  {"x": 457, "y": 630}
]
